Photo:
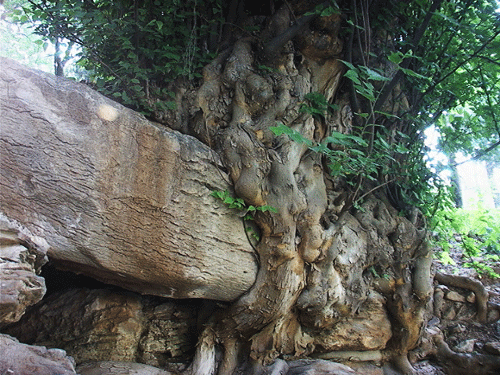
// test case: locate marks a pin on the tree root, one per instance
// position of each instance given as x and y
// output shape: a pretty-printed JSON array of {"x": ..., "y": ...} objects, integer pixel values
[
  {"x": 465, "y": 364},
  {"x": 467, "y": 283},
  {"x": 205, "y": 360},
  {"x": 356, "y": 356}
]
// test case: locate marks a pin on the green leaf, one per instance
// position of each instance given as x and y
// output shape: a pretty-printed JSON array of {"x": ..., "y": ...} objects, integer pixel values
[
  {"x": 353, "y": 76},
  {"x": 396, "y": 57},
  {"x": 348, "y": 64},
  {"x": 412, "y": 73},
  {"x": 388, "y": 115},
  {"x": 353, "y": 24},
  {"x": 329, "y": 11},
  {"x": 373, "y": 75},
  {"x": 266, "y": 208}
]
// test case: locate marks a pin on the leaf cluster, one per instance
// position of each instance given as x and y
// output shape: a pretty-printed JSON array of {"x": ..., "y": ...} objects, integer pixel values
[
  {"x": 441, "y": 60},
  {"x": 245, "y": 211},
  {"x": 350, "y": 157},
  {"x": 477, "y": 232},
  {"x": 134, "y": 50},
  {"x": 316, "y": 105}
]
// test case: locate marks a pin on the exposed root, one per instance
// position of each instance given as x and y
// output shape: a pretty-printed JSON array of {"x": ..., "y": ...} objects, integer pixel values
[
  {"x": 230, "y": 359},
  {"x": 403, "y": 365},
  {"x": 205, "y": 359},
  {"x": 353, "y": 356},
  {"x": 465, "y": 364},
  {"x": 467, "y": 283}
]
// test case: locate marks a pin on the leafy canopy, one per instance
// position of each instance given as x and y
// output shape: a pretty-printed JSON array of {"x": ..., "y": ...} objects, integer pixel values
[
  {"x": 409, "y": 64},
  {"x": 132, "y": 49}
]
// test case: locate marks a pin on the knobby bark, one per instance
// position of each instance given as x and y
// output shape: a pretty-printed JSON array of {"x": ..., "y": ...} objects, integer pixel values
[{"x": 323, "y": 267}]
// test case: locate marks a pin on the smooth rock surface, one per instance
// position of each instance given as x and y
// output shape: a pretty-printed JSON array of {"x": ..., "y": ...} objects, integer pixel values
[
  {"x": 117, "y": 197},
  {"x": 122, "y": 368},
  {"x": 21, "y": 359}
]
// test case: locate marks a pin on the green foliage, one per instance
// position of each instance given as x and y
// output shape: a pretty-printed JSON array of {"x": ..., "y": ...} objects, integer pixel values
[
  {"x": 317, "y": 105},
  {"x": 349, "y": 156},
  {"x": 362, "y": 78},
  {"x": 17, "y": 42},
  {"x": 325, "y": 9},
  {"x": 247, "y": 212},
  {"x": 132, "y": 49},
  {"x": 460, "y": 55},
  {"x": 476, "y": 231}
]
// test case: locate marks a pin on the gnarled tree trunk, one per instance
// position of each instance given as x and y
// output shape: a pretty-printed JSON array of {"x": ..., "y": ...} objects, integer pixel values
[{"x": 330, "y": 278}]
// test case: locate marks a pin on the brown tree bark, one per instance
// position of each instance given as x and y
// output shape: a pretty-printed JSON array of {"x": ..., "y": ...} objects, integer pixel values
[{"x": 329, "y": 277}]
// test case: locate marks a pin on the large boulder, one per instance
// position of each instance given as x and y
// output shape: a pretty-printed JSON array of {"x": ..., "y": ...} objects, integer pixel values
[{"x": 117, "y": 197}]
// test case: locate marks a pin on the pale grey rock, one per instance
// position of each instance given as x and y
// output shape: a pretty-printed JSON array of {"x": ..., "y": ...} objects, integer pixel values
[
  {"x": 466, "y": 346},
  {"x": 455, "y": 296},
  {"x": 21, "y": 359},
  {"x": 117, "y": 197},
  {"x": 471, "y": 297},
  {"x": 119, "y": 368},
  {"x": 318, "y": 367},
  {"x": 21, "y": 258}
]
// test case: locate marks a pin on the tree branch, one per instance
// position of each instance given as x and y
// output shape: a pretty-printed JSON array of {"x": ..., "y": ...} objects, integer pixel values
[
  {"x": 480, "y": 154},
  {"x": 416, "y": 40},
  {"x": 475, "y": 54},
  {"x": 275, "y": 44}
]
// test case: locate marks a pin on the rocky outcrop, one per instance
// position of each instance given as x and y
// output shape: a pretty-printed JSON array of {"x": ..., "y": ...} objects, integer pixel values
[
  {"x": 116, "y": 196},
  {"x": 17, "y": 358},
  {"x": 369, "y": 329},
  {"x": 21, "y": 258},
  {"x": 112, "y": 325}
]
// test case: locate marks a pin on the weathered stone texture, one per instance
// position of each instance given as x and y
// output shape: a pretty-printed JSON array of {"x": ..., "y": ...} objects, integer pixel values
[
  {"x": 369, "y": 329},
  {"x": 106, "y": 325},
  {"x": 21, "y": 257},
  {"x": 22, "y": 359},
  {"x": 122, "y": 368},
  {"x": 117, "y": 197}
]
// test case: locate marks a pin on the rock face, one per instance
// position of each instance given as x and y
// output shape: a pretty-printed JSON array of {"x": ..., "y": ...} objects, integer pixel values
[
  {"x": 21, "y": 257},
  {"x": 370, "y": 329},
  {"x": 106, "y": 325},
  {"x": 117, "y": 197},
  {"x": 122, "y": 368},
  {"x": 17, "y": 358}
]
